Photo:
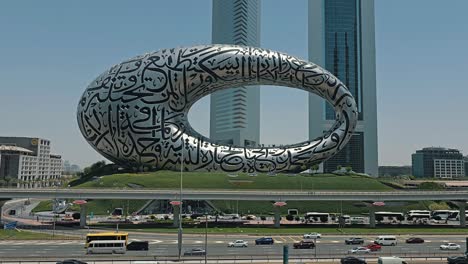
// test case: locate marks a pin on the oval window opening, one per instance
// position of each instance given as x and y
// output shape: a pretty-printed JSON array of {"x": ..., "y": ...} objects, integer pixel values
[{"x": 283, "y": 115}]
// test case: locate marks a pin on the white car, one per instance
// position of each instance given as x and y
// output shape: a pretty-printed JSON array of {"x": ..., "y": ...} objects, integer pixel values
[
  {"x": 359, "y": 250},
  {"x": 312, "y": 236},
  {"x": 450, "y": 246},
  {"x": 238, "y": 243}
]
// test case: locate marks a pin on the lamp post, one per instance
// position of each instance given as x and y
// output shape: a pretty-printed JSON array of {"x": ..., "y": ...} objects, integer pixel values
[
  {"x": 206, "y": 237},
  {"x": 179, "y": 233}
]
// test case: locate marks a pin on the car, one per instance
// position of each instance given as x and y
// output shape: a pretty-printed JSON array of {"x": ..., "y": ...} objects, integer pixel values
[
  {"x": 71, "y": 261},
  {"x": 414, "y": 240},
  {"x": 138, "y": 245},
  {"x": 450, "y": 246},
  {"x": 352, "y": 260},
  {"x": 304, "y": 244},
  {"x": 238, "y": 243},
  {"x": 312, "y": 236},
  {"x": 457, "y": 260},
  {"x": 359, "y": 250},
  {"x": 195, "y": 252},
  {"x": 374, "y": 247},
  {"x": 354, "y": 241},
  {"x": 264, "y": 241}
]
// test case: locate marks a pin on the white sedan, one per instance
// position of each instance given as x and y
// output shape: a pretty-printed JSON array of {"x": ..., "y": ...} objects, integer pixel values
[
  {"x": 312, "y": 236},
  {"x": 238, "y": 243},
  {"x": 450, "y": 246},
  {"x": 359, "y": 250}
]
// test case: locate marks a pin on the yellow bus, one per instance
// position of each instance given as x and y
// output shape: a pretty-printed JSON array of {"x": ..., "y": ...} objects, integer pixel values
[{"x": 106, "y": 236}]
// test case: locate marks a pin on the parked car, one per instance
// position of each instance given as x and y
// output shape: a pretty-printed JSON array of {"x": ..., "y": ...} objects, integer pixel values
[
  {"x": 353, "y": 260},
  {"x": 450, "y": 246},
  {"x": 195, "y": 252},
  {"x": 374, "y": 247},
  {"x": 457, "y": 260},
  {"x": 359, "y": 250},
  {"x": 71, "y": 261},
  {"x": 312, "y": 236},
  {"x": 264, "y": 241},
  {"x": 138, "y": 245},
  {"x": 304, "y": 244},
  {"x": 238, "y": 243},
  {"x": 414, "y": 240},
  {"x": 354, "y": 241}
]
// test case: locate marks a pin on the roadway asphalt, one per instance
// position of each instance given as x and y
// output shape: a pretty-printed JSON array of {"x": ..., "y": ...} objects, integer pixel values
[{"x": 166, "y": 245}]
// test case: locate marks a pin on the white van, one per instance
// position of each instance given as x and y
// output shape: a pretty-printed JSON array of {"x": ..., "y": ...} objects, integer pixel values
[
  {"x": 106, "y": 246},
  {"x": 386, "y": 240},
  {"x": 391, "y": 260}
]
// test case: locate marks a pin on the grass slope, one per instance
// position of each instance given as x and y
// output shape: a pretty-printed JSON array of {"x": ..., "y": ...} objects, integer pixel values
[
  {"x": 215, "y": 180},
  {"x": 26, "y": 235}
]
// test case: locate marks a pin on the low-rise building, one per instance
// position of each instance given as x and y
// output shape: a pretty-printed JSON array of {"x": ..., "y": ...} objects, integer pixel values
[
  {"x": 438, "y": 163},
  {"x": 27, "y": 162}
]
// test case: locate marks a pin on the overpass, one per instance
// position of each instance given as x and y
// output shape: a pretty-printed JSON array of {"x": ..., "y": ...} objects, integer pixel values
[
  {"x": 459, "y": 197},
  {"x": 249, "y": 195}
]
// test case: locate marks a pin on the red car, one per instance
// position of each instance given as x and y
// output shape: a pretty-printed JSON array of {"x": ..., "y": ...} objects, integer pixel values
[{"x": 374, "y": 247}]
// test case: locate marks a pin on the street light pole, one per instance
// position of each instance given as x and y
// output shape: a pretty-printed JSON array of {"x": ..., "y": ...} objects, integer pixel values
[
  {"x": 179, "y": 234},
  {"x": 206, "y": 236}
]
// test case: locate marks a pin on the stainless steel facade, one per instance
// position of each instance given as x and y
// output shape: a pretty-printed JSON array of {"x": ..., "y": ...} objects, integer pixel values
[{"x": 135, "y": 113}]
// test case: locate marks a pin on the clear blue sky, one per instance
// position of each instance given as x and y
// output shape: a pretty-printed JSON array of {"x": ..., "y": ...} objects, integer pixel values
[{"x": 51, "y": 50}]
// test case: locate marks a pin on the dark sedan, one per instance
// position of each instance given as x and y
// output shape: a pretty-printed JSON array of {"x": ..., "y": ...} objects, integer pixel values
[
  {"x": 353, "y": 260},
  {"x": 71, "y": 261},
  {"x": 457, "y": 260},
  {"x": 414, "y": 240}
]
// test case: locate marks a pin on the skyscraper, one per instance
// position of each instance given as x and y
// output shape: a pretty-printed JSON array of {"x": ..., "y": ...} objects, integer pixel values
[
  {"x": 235, "y": 112},
  {"x": 342, "y": 40}
]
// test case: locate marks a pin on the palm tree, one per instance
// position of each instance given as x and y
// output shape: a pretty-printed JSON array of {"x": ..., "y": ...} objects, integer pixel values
[{"x": 8, "y": 180}]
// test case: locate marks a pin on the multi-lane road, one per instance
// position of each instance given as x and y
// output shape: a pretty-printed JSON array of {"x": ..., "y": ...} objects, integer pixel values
[{"x": 165, "y": 245}]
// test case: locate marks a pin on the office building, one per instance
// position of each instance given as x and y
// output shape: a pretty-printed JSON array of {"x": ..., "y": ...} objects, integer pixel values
[
  {"x": 466, "y": 165},
  {"x": 438, "y": 163},
  {"x": 235, "y": 112},
  {"x": 342, "y": 40},
  {"x": 28, "y": 162}
]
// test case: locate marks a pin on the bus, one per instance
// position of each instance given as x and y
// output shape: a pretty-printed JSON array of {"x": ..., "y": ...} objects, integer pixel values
[
  {"x": 106, "y": 236},
  {"x": 317, "y": 217},
  {"x": 444, "y": 214},
  {"x": 418, "y": 214},
  {"x": 107, "y": 246},
  {"x": 389, "y": 216}
]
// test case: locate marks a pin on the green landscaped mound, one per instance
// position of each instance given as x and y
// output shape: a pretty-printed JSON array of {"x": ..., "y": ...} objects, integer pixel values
[
  {"x": 26, "y": 235},
  {"x": 215, "y": 180}
]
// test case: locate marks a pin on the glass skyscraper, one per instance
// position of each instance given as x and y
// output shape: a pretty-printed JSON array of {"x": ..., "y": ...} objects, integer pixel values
[
  {"x": 342, "y": 40},
  {"x": 235, "y": 112}
]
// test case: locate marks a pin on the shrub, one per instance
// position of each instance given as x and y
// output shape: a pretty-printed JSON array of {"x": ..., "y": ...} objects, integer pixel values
[{"x": 289, "y": 217}]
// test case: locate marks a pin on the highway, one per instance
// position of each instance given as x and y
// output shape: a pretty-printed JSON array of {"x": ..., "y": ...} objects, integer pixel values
[
  {"x": 250, "y": 195},
  {"x": 165, "y": 245}
]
